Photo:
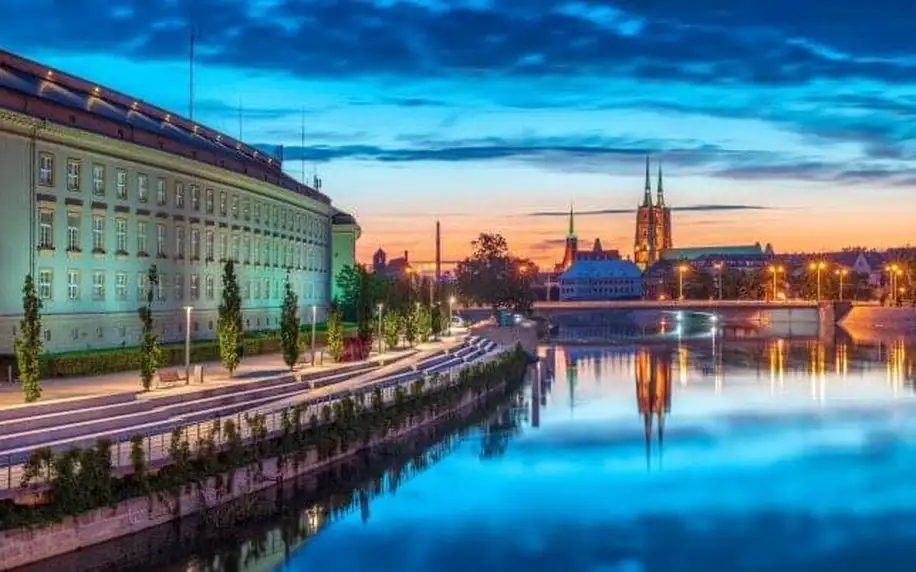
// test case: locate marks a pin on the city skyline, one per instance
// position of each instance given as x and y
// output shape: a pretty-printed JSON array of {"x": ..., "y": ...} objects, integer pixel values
[{"x": 786, "y": 127}]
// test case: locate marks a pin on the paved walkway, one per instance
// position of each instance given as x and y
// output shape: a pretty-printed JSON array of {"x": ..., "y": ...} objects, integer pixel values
[{"x": 252, "y": 368}]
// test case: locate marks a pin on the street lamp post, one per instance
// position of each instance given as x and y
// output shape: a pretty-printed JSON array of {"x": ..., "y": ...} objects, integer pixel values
[
  {"x": 842, "y": 272},
  {"x": 818, "y": 267},
  {"x": 187, "y": 344},
  {"x": 680, "y": 281},
  {"x": 314, "y": 317},
  {"x": 451, "y": 302},
  {"x": 893, "y": 272},
  {"x": 381, "y": 308},
  {"x": 775, "y": 270},
  {"x": 718, "y": 266}
]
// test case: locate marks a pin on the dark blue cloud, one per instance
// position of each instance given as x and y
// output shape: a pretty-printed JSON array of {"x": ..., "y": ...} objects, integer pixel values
[{"x": 688, "y": 208}]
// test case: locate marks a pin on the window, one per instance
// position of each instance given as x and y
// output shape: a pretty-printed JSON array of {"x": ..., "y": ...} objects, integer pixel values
[
  {"x": 209, "y": 201},
  {"x": 223, "y": 247},
  {"x": 141, "y": 286},
  {"x": 46, "y": 229},
  {"x": 161, "y": 192},
  {"x": 122, "y": 183},
  {"x": 255, "y": 251},
  {"x": 246, "y": 290},
  {"x": 73, "y": 285},
  {"x": 44, "y": 284},
  {"x": 161, "y": 236},
  {"x": 141, "y": 237},
  {"x": 235, "y": 248},
  {"x": 98, "y": 285},
  {"x": 265, "y": 259},
  {"x": 246, "y": 209},
  {"x": 142, "y": 187},
  {"x": 222, "y": 203},
  {"x": 179, "y": 242},
  {"x": 195, "y": 286},
  {"x": 195, "y": 244},
  {"x": 74, "y": 170},
  {"x": 257, "y": 290},
  {"x": 121, "y": 232},
  {"x": 195, "y": 198},
  {"x": 257, "y": 211},
  {"x": 246, "y": 249},
  {"x": 235, "y": 206},
  {"x": 160, "y": 287},
  {"x": 73, "y": 231},
  {"x": 179, "y": 195},
  {"x": 98, "y": 234},
  {"x": 121, "y": 286},
  {"x": 179, "y": 286},
  {"x": 208, "y": 286},
  {"x": 266, "y": 288},
  {"x": 46, "y": 169},
  {"x": 98, "y": 180},
  {"x": 209, "y": 243}
]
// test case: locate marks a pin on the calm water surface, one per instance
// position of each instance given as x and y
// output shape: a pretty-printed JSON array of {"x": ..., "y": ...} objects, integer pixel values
[{"x": 721, "y": 452}]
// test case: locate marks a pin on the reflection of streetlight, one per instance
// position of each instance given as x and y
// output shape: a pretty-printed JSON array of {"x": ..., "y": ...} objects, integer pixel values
[
  {"x": 818, "y": 267},
  {"x": 381, "y": 308},
  {"x": 680, "y": 281},
  {"x": 718, "y": 266},
  {"x": 187, "y": 344},
  {"x": 775, "y": 270},
  {"x": 842, "y": 272}
]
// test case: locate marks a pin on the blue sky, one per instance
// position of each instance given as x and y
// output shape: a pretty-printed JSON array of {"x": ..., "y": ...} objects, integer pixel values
[{"x": 496, "y": 115}]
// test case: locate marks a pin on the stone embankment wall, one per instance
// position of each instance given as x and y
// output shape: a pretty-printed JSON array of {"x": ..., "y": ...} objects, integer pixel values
[
  {"x": 878, "y": 320},
  {"x": 27, "y": 546}
]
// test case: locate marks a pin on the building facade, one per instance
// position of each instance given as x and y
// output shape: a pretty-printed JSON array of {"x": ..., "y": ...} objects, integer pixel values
[
  {"x": 345, "y": 231},
  {"x": 653, "y": 224},
  {"x": 97, "y": 188},
  {"x": 601, "y": 280}
]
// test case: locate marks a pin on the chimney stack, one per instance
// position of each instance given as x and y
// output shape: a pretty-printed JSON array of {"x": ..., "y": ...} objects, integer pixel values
[{"x": 405, "y": 256}]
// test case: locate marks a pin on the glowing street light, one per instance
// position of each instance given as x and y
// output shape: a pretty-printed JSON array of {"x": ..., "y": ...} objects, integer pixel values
[
  {"x": 894, "y": 270},
  {"x": 842, "y": 273},
  {"x": 818, "y": 267},
  {"x": 451, "y": 302},
  {"x": 775, "y": 270},
  {"x": 680, "y": 281}
]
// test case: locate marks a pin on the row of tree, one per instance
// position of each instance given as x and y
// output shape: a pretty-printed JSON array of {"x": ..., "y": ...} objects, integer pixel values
[{"x": 29, "y": 346}]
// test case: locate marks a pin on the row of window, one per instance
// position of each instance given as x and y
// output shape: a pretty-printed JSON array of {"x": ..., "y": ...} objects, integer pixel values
[
  {"x": 209, "y": 243},
  {"x": 272, "y": 215},
  {"x": 252, "y": 289}
]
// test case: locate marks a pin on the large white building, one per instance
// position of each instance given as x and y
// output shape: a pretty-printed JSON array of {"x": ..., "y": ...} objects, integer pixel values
[
  {"x": 96, "y": 187},
  {"x": 601, "y": 280}
]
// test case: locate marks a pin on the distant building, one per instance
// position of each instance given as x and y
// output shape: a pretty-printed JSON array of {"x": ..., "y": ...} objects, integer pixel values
[
  {"x": 601, "y": 280},
  {"x": 345, "y": 231},
  {"x": 749, "y": 256},
  {"x": 394, "y": 267},
  {"x": 653, "y": 224},
  {"x": 572, "y": 254}
]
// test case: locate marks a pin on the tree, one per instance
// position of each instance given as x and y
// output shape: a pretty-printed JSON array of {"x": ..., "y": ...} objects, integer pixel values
[
  {"x": 365, "y": 306},
  {"x": 229, "y": 322},
  {"x": 350, "y": 282},
  {"x": 391, "y": 328},
  {"x": 424, "y": 324},
  {"x": 289, "y": 326},
  {"x": 28, "y": 342},
  {"x": 335, "y": 333},
  {"x": 150, "y": 350},
  {"x": 409, "y": 324},
  {"x": 492, "y": 277},
  {"x": 435, "y": 318}
]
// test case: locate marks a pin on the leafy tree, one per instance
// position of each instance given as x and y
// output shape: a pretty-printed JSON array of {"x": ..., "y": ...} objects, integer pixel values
[
  {"x": 335, "y": 334},
  {"x": 391, "y": 328},
  {"x": 28, "y": 341},
  {"x": 229, "y": 322},
  {"x": 492, "y": 277},
  {"x": 424, "y": 324},
  {"x": 150, "y": 349},
  {"x": 409, "y": 324},
  {"x": 365, "y": 306},
  {"x": 289, "y": 326},
  {"x": 699, "y": 284},
  {"x": 350, "y": 281},
  {"x": 436, "y": 324}
]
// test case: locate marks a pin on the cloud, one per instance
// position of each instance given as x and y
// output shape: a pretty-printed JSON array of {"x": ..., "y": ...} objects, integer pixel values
[
  {"x": 688, "y": 208},
  {"x": 545, "y": 245}
]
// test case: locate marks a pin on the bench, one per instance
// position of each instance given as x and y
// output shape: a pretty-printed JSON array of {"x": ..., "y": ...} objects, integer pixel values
[{"x": 170, "y": 376}]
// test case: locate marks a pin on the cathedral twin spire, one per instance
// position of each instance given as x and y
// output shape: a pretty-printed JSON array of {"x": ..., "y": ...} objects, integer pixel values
[{"x": 647, "y": 197}]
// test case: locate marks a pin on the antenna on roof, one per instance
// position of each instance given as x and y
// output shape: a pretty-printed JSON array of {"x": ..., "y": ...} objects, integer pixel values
[
  {"x": 191, "y": 79},
  {"x": 302, "y": 148},
  {"x": 240, "y": 118}
]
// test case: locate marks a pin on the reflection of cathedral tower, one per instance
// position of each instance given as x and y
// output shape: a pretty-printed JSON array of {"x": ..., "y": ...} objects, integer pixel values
[
  {"x": 572, "y": 243},
  {"x": 653, "y": 394},
  {"x": 653, "y": 224}
]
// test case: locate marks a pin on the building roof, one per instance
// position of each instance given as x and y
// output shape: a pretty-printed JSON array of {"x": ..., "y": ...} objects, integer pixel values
[
  {"x": 711, "y": 251},
  {"x": 38, "y": 91},
  {"x": 342, "y": 218},
  {"x": 602, "y": 269}
]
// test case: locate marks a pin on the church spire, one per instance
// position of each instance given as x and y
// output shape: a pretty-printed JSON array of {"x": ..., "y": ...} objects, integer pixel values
[
  {"x": 647, "y": 197},
  {"x": 572, "y": 226},
  {"x": 660, "y": 187}
]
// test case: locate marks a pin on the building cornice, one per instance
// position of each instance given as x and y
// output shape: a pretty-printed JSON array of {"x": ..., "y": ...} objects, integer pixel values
[{"x": 26, "y": 126}]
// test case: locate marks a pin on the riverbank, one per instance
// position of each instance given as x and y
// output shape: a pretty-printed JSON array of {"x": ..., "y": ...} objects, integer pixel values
[{"x": 323, "y": 443}]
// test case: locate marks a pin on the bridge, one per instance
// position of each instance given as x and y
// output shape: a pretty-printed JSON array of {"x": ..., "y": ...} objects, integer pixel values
[{"x": 703, "y": 305}]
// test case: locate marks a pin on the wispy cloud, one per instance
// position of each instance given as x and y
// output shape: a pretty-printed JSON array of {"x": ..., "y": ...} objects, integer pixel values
[{"x": 688, "y": 208}]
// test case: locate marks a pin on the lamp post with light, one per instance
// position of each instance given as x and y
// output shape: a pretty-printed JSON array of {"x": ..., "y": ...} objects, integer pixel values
[
  {"x": 842, "y": 272},
  {"x": 680, "y": 282},
  {"x": 818, "y": 267},
  {"x": 187, "y": 344},
  {"x": 451, "y": 302},
  {"x": 314, "y": 316},
  {"x": 775, "y": 270},
  {"x": 381, "y": 308}
]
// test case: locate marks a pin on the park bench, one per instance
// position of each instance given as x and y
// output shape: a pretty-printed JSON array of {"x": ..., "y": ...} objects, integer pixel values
[{"x": 170, "y": 376}]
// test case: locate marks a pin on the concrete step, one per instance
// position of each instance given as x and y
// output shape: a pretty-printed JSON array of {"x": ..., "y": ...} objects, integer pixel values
[{"x": 32, "y": 410}]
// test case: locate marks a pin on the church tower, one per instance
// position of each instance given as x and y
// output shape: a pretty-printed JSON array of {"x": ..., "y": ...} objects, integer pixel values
[
  {"x": 653, "y": 223},
  {"x": 664, "y": 214},
  {"x": 572, "y": 243}
]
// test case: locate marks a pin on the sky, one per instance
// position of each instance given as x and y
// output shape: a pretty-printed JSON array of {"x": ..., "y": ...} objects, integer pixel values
[{"x": 781, "y": 121}]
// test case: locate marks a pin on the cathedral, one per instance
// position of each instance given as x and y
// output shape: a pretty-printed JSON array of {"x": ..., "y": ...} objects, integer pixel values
[{"x": 653, "y": 224}]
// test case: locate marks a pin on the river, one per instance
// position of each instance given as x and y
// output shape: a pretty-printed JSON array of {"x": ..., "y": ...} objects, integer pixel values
[{"x": 717, "y": 450}]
